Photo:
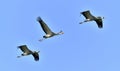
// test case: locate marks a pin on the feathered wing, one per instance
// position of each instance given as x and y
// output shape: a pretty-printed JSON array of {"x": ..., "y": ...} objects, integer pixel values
[
  {"x": 24, "y": 48},
  {"x": 99, "y": 23},
  {"x": 36, "y": 56},
  {"x": 44, "y": 26},
  {"x": 87, "y": 14}
]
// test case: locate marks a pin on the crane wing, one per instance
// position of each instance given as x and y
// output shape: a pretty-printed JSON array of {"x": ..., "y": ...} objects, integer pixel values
[
  {"x": 99, "y": 23},
  {"x": 87, "y": 14},
  {"x": 24, "y": 48},
  {"x": 44, "y": 26},
  {"x": 36, "y": 56}
]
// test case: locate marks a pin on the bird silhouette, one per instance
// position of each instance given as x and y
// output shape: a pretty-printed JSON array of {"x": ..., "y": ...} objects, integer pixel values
[
  {"x": 90, "y": 17},
  {"x": 47, "y": 30},
  {"x": 27, "y": 52}
]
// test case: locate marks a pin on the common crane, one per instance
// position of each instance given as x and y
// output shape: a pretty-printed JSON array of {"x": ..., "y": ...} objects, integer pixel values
[
  {"x": 47, "y": 30},
  {"x": 90, "y": 17},
  {"x": 27, "y": 51}
]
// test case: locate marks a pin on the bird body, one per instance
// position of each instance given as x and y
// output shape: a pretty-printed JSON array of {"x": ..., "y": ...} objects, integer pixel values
[
  {"x": 90, "y": 17},
  {"x": 27, "y": 51},
  {"x": 46, "y": 29}
]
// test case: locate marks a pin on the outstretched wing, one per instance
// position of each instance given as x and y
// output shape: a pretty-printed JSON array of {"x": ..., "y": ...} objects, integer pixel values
[
  {"x": 99, "y": 23},
  {"x": 36, "y": 56},
  {"x": 24, "y": 49},
  {"x": 87, "y": 14},
  {"x": 44, "y": 26}
]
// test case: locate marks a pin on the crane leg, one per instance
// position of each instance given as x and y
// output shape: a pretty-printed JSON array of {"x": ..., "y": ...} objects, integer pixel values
[
  {"x": 19, "y": 56},
  {"x": 41, "y": 39},
  {"x": 81, "y": 22}
]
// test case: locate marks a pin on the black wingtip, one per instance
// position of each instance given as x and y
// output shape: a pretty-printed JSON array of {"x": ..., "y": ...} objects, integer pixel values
[
  {"x": 18, "y": 46},
  {"x": 100, "y": 26},
  {"x": 84, "y": 11},
  {"x": 39, "y": 18},
  {"x": 36, "y": 59},
  {"x": 21, "y": 46}
]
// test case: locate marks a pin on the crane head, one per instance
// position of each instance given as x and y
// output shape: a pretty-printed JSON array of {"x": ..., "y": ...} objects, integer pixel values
[
  {"x": 61, "y": 32},
  {"x": 100, "y": 17},
  {"x": 36, "y": 51}
]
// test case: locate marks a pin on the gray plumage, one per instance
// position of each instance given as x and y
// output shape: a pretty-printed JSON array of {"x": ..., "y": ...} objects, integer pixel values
[
  {"x": 27, "y": 51},
  {"x": 90, "y": 17},
  {"x": 46, "y": 29}
]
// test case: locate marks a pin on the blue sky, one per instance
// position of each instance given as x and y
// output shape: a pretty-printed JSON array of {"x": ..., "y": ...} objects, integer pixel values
[{"x": 82, "y": 47}]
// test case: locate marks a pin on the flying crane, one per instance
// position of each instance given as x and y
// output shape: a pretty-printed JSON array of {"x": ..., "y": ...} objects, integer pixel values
[
  {"x": 90, "y": 17},
  {"x": 47, "y": 30},
  {"x": 27, "y": 52}
]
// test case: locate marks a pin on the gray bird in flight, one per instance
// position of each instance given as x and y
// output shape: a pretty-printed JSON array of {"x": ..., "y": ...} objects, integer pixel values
[
  {"x": 90, "y": 17},
  {"x": 47, "y": 30},
  {"x": 27, "y": 52}
]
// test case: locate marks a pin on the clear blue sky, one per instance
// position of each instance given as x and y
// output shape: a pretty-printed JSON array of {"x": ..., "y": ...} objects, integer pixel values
[{"x": 83, "y": 47}]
